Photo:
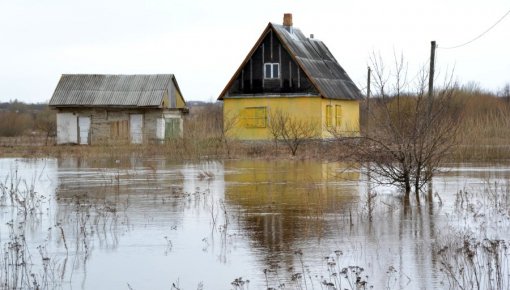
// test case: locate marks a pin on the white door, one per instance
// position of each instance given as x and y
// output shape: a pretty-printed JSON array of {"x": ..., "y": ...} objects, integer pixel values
[
  {"x": 135, "y": 128},
  {"x": 160, "y": 128},
  {"x": 67, "y": 128},
  {"x": 84, "y": 127}
]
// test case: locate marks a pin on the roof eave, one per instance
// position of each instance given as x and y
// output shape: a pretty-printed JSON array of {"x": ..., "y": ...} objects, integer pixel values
[{"x": 105, "y": 106}]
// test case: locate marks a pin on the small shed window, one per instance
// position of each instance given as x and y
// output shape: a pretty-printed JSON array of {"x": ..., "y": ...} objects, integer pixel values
[
  {"x": 172, "y": 128},
  {"x": 271, "y": 70},
  {"x": 255, "y": 117}
]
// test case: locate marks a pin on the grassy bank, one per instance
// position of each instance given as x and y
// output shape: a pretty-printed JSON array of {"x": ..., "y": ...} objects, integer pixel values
[{"x": 178, "y": 149}]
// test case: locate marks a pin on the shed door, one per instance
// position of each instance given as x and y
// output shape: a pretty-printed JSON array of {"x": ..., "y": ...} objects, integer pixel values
[
  {"x": 67, "y": 128},
  {"x": 84, "y": 127},
  {"x": 160, "y": 128},
  {"x": 135, "y": 128},
  {"x": 172, "y": 128}
]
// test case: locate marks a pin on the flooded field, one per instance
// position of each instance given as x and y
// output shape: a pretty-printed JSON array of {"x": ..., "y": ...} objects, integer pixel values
[{"x": 153, "y": 224}]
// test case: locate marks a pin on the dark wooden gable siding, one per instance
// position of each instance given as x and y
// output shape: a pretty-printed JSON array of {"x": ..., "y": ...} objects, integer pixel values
[{"x": 292, "y": 79}]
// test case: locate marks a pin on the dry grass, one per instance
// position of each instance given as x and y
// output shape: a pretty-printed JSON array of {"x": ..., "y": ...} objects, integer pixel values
[
  {"x": 15, "y": 123},
  {"x": 485, "y": 131}
]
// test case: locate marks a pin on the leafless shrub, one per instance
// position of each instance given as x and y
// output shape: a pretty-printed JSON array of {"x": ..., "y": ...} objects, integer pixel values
[
  {"x": 291, "y": 130},
  {"x": 409, "y": 133},
  {"x": 46, "y": 122}
]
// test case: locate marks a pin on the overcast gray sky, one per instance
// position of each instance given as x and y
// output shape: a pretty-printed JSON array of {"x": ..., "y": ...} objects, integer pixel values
[{"x": 203, "y": 42}]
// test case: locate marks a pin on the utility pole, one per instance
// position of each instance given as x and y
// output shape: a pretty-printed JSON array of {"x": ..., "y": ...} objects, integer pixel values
[
  {"x": 368, "y": 98},
  {"x": 431, "y": 72},
  {"x": 369, "y": 176},
  {"x": 429, "y": 113}
]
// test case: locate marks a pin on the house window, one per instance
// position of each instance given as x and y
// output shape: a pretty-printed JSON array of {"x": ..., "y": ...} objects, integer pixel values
[
  {"x": 271, "y": 70},
  {"x": 338, "y": 115},
  {"x": 329, "y": 117},
  {"x": 255, "y": 117}
]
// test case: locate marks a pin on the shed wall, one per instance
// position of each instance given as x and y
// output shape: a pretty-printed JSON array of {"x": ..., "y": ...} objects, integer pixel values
[{"x": 111, "y": 126}]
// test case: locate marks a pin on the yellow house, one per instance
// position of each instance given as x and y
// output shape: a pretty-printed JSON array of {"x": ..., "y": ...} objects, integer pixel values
[{"x": 288, "y": 73}]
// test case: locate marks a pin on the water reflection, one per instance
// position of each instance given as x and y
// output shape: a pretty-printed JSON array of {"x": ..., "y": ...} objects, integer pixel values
[{"x": 284, "y": 201}]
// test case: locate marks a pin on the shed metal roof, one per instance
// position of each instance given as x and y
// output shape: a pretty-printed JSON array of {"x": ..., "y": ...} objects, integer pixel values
[
  {"x": 315, "y": 59},
  {"x": 112, "y": 90}
]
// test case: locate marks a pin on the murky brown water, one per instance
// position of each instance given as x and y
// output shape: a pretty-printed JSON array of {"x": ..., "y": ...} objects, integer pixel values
[{"x": 148, "y": 224}]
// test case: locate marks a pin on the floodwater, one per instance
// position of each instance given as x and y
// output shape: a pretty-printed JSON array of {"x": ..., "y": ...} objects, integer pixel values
[{"x": 153, "y": 224}]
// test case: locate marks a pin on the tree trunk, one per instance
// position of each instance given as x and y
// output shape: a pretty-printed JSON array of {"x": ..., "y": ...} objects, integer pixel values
[
  {"x": 417, "y": 195},
  {"x": 407, "y": 205},
  {"x": 407, "y": 183},
  {"x": 417, "y": 179},
  {"x": 293, "y": 149},
  {"x": 417, "y": 183}
]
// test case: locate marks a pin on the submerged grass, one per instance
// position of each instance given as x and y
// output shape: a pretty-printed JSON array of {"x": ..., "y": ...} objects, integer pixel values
[
  {"x": 19, "y": 267},
  {"x": 28, "y": 264},
  {"x": 473, "y": 254},
  {"x": 468, "y": 262}
]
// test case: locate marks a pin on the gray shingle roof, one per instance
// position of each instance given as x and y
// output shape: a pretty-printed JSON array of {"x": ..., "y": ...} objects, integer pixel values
[
  {"x": 319, "y": 64},
  {"x": 111, "y": 90}
]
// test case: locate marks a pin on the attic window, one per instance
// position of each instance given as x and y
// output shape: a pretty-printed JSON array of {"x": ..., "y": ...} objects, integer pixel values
[{"x": 271, "y": 70}]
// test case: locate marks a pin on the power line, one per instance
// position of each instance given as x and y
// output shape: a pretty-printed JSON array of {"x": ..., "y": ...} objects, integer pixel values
[{"x": 479, "y": 36}]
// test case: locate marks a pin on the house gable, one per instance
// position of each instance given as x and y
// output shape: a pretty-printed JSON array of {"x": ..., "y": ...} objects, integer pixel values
[
  {"x": 251, "y": 78},
  {"x": 180, "y": 103}
]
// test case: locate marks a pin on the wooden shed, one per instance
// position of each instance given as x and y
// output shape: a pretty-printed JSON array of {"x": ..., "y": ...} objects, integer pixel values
[
  {"x": 116, "y": 109},
  {"x": 287, "y": 72}
]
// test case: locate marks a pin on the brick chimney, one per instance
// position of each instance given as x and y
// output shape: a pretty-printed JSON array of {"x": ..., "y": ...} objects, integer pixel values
[{"x": 287, "y": 19}]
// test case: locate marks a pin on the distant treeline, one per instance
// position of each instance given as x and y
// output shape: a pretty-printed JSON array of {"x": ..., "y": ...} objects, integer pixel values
[{"x": 17, "y": 106}]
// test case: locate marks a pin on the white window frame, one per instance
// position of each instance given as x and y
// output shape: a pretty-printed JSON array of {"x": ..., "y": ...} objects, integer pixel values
[{"x": 272, "y": 71}]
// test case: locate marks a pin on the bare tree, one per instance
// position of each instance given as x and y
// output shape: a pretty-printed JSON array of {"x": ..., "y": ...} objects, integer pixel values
[
  {"x": 291, "y": 130},
  {"x": 46, "y": 122},
  {"x": 505, "y": 92},
  {"x": 409, "y": 133},
  {"x": 229, "y": 122},
  {"x": 275, "y": 126}
]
